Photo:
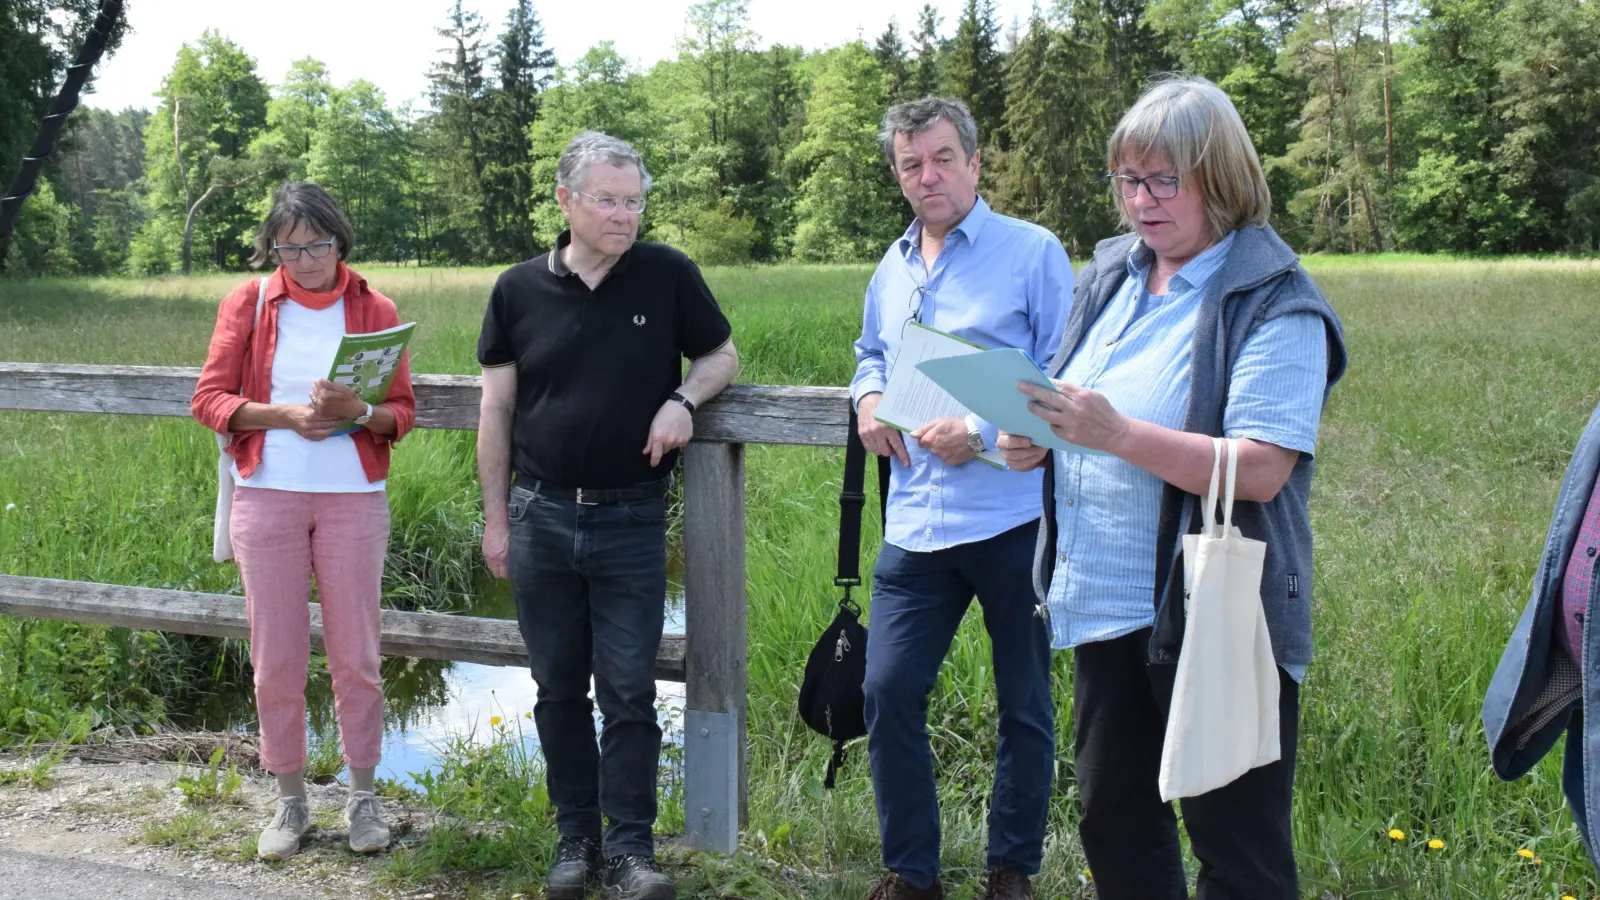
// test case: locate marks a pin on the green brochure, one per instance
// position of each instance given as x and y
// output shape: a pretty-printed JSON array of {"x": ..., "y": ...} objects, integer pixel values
[{"x": 366, "y": 363}]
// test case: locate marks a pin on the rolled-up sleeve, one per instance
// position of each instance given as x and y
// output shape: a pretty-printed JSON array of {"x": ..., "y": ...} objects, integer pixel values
[
  {"x": 1279, "y": 382},
  {"x": 1050, "y": 289},
  {"x": 216, "y": 395},
  {"x": 401, "y": 400},
  {"x": 872, "y": 371}
]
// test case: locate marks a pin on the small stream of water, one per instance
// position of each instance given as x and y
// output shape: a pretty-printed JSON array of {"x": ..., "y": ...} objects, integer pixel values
[{"x": 429, "y": 703}]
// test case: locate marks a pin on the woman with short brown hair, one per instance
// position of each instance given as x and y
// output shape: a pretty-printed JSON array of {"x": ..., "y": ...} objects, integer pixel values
[{"x": 309, "y": 497}]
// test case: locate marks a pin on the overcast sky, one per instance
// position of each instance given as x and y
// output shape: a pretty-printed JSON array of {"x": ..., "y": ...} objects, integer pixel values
[{"x": 392, "y": 43}]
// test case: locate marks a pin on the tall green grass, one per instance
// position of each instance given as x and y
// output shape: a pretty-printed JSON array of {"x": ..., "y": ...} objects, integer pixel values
[{"x": 1440, "y": 456}]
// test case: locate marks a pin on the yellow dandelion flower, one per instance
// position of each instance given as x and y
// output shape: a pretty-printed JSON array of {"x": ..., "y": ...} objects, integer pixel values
[
  {"x": 1088, "y": 874},
  {"x": 1397, "y": 834},
  {"x": 1537, "y": 861},
  {"x": 494, "y": 720},
  {"x": 1568, "y": 897},
  {"x": 1436, "y": 844},
  {"x": 1525, "y": 853},
  {"x": 528, "y": 714}
]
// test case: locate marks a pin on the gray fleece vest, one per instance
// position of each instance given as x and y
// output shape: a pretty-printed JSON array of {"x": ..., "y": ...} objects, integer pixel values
[{"x": 1260, "y": 280}]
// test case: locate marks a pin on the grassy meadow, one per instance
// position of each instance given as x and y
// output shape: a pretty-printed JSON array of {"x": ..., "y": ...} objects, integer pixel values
[{"x": 1441, "y": 454}]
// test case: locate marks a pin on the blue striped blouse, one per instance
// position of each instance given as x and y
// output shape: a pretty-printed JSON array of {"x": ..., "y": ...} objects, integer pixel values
[{"x": 1137, "y": 354}]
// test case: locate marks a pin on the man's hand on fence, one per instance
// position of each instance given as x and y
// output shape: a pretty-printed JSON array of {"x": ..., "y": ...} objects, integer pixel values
[
  {"x": 496, "y": 536},
  {"x": 671, "y": 429}
]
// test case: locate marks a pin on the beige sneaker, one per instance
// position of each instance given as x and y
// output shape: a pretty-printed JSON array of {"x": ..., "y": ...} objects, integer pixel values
[
  {"x": 364, "y": 814},
  {"x": 281, "y": 838}
]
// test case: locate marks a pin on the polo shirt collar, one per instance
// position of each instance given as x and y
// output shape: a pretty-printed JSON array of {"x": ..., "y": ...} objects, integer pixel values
[
  {"x": 969, "y": 227},
  {"x": 558, "y": 266},
  {"x": 1194, "y": 275}
]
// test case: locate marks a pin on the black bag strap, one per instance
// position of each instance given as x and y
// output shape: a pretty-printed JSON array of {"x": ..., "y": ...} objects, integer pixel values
[
  {"x": 852, "y": 497},
  {"x": 835, "y": 763}
]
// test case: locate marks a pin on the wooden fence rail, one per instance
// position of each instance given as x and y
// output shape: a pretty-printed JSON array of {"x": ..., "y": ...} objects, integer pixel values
[{"x": 710, "y": 658}]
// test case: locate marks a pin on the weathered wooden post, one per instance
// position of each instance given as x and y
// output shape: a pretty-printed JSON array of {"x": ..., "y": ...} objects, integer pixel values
[{"x": 714, "y": 627}]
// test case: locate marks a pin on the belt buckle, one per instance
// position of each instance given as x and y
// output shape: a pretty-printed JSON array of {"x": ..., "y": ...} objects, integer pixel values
[{"x": 580, "y": 501}]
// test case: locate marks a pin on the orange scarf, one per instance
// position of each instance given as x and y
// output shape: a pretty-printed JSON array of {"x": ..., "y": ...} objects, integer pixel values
[{"x": 318, "y": 299}]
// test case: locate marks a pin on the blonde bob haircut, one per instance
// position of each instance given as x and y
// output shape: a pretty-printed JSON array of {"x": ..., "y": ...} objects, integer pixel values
[{"x": 1194, "y": 125}]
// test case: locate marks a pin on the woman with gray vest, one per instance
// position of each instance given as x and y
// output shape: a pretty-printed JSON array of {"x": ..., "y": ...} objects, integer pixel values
[{"x": 1198, "y": 323}]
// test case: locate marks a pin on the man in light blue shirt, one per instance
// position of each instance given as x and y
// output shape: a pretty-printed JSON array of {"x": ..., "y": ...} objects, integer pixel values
[{"x": 957, "y": 526}]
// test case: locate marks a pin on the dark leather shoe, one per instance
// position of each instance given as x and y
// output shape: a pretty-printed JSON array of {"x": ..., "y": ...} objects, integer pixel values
[
  {"x": 635, "y": 877},
  {"x": 893, "y": 887},
  {"x": 576, "y": 866},
  {"x": 1006, "y": 883}
]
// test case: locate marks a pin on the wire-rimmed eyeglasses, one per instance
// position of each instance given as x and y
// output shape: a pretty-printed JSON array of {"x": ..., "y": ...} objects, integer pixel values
[
  {"x": 608, "y": 205},
  {"x": 919, "y": 296}
]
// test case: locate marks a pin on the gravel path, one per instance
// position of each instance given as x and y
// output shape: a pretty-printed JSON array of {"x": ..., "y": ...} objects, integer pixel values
[{"x": 104, "y": 831}]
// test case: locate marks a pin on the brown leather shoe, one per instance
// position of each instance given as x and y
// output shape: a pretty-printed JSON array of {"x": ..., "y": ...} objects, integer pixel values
[
  {"x": 1007, "y": 884},
  {"x": 893, "y": 887}
]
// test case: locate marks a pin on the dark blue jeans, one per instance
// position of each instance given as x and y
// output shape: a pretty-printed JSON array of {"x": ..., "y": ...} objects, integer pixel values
[
  {"x": 591, "y": 584},
  {"x": 918, "y": 600}
]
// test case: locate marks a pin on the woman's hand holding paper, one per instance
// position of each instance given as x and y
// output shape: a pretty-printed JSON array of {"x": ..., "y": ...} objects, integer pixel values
[
  {"x": 1021, "y": 453},
  {"x": 1078, "y": 415}
]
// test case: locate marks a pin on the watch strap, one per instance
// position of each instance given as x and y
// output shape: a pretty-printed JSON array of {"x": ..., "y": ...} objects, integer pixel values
[{"x": 679, "y": 398}]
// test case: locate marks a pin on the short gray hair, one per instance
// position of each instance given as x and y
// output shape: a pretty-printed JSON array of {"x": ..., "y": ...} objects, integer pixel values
[
  {"x": 595, "y": 148},
  {"x": 1196, "y": 127},
  {"x": 917, "y": 116},
  {"x": 302, "y": 203}
]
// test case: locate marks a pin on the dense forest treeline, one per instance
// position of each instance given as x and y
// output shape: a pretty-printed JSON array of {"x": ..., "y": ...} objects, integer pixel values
[{"x": 1468, "y": 126}]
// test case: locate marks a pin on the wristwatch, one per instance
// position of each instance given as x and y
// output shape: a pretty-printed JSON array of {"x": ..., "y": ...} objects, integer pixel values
[
  {"x": 679, "y": 398},
  {"x": 975, "y": 440},
  {"x": 367, "y": 417}
]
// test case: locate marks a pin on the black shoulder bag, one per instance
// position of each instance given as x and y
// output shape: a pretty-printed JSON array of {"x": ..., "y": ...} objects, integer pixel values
[{"x": 831, "y": 698}]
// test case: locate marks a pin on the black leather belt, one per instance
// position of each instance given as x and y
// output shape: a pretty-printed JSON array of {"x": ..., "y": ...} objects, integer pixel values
[{"x": 648, "y": 490}]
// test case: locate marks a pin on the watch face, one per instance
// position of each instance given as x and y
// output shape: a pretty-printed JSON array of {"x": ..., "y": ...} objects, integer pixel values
[{"x": 975, "y": 441}]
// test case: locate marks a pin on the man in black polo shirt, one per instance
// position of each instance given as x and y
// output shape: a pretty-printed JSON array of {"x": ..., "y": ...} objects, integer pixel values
[{"x": 583, "y": 397}]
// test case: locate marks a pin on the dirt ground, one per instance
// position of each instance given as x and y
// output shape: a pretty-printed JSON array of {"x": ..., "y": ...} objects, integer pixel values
[{"x": 133, "y": 814}]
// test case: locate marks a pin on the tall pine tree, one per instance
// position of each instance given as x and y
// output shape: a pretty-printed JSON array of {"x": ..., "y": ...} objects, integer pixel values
[
  {"x": 524, "y": 66},
  {"x": 890, "y": 51},
  {"x": 925, "y": 71},
  {"x": 456, "y": 142},
  {"x": 973, "y": 72}
]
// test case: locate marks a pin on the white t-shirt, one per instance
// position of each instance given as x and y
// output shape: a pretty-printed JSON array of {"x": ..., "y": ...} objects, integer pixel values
[{"x": 307, "y": 342}]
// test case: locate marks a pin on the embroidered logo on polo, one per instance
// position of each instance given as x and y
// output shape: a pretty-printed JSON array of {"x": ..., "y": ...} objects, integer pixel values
[{"x": 638, "y": 320}]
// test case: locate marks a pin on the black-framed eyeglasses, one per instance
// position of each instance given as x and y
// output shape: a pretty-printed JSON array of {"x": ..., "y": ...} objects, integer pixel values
[
  {"x": 609, "y": 204},
  {"x": 1161, "y": 187},
  {"x": 291, "y": 252}
]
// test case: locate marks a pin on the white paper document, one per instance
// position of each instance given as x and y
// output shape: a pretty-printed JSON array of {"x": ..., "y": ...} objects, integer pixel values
[{"x": 911, "y": 399}]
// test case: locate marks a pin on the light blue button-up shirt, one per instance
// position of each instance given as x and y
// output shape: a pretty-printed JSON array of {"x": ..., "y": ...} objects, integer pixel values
[
  {"x": 1137, "y": 354},
  {"x": 998, "y": 282}
]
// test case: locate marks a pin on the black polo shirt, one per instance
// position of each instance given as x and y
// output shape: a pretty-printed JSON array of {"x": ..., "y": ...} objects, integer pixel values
[{"x": 594, "y": 367}]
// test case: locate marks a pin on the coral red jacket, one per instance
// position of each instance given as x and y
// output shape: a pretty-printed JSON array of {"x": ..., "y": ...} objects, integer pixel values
[{"x": 237, "y": 358}]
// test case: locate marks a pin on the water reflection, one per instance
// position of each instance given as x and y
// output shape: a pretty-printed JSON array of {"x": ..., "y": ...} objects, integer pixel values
[
  {"x": 428, "y": 702},
  {"x": 419, "y": 724}
]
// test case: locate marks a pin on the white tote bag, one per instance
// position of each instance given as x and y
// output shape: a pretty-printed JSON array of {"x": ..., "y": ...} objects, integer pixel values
[
  {"x": 1224, "y": 716},
  {"x": 221, "y": 544}
]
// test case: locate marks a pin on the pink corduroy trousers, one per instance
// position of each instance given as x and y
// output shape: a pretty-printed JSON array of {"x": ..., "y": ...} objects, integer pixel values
[{"x": 280, "y": 539}]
